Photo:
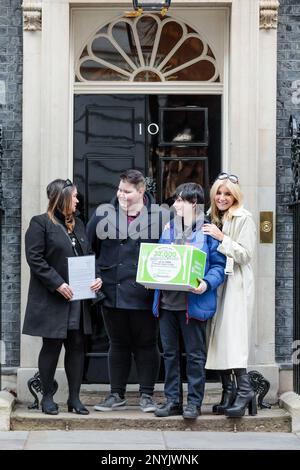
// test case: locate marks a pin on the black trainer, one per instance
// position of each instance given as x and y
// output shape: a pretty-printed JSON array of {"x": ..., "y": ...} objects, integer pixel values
[
  {"x": 169, "y": 408},
  {"x": 191, "y": 411}
]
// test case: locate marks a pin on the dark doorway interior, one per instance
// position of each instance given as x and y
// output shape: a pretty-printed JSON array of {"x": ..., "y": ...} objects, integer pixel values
[{"x": 171, "y": 138}]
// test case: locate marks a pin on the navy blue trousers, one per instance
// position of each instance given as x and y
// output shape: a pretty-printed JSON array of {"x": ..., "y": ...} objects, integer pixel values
[{"x": 193, "y": 333}]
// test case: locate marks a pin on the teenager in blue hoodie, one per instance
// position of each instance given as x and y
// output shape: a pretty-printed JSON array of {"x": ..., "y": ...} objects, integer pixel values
[{"x": 187, "y": 311}]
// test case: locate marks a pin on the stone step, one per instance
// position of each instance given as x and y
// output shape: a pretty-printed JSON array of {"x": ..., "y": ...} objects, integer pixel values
[{"x": 267, "y": 420}]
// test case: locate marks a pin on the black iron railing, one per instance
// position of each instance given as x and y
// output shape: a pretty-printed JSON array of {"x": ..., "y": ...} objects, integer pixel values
[{"x": 295, "y": 206}]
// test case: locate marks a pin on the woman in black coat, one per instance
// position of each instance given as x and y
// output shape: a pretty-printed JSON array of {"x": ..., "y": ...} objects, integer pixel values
[{"x": 50, "y": 239}]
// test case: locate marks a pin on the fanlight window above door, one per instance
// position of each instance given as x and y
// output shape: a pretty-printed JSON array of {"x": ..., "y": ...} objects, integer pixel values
[{"x": 149, "y": 48}]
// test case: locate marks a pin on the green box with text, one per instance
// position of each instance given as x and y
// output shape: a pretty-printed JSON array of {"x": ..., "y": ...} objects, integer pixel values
[{"x": 170, "y": 267}]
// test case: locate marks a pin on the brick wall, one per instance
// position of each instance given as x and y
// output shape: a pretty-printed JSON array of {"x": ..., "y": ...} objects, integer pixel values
[
  {"x": 288, "y": 103},
  {"x": 11, "y": 177}
]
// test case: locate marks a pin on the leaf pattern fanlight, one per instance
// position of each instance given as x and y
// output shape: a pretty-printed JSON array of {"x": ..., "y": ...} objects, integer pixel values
[{"x": 150, "y": 48}]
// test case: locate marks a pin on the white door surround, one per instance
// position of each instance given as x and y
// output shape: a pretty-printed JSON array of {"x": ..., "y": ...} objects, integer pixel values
[{"x": 54, "y": 32}]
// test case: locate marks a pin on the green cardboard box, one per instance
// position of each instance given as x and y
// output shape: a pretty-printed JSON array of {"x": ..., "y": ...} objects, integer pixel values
[{"x": 170, "y": 267}]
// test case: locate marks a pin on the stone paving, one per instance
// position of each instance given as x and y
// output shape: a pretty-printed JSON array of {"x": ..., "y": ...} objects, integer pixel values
[{"x": 146, "y": 440}]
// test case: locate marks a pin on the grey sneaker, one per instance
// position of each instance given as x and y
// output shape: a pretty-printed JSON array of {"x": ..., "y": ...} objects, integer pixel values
[
  {"x": 111, "y": 403},
  {"x": 191, "y": 411},
  {"x": 147, "y": 403}
]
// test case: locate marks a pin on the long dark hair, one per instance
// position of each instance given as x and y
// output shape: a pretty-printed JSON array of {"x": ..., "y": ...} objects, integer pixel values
[{"x": 59, "y": 193}]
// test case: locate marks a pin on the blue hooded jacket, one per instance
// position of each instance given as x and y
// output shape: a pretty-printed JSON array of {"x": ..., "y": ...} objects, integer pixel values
[{"x": 200, "y": 307}]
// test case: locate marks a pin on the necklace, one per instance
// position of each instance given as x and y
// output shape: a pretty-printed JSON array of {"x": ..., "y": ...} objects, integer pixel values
[{"x": 74, "y": 243}]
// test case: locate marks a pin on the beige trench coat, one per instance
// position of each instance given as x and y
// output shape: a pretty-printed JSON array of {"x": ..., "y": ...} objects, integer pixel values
[{"x": 231, "y": 326}]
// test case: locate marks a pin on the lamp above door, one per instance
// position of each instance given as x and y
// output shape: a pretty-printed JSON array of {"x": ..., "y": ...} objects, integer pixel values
[{"x": 151, "y": 5}]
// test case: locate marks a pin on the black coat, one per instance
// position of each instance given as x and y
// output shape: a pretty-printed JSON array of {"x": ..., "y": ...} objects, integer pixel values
[
  {"x": 47, "y": 248},
  {"x": 118, "y": 258}
]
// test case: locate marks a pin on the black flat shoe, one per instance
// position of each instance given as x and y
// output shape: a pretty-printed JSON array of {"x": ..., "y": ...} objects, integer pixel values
[{"x": 79, "y": 409}]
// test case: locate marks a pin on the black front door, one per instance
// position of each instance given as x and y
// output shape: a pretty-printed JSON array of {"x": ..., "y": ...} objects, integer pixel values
[
  {"x": 106, "y": 142},
  {"x": 172, "y": 139}
]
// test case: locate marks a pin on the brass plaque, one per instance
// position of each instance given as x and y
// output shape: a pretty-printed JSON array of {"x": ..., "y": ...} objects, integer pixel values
[{"x": 266, "y": 227}]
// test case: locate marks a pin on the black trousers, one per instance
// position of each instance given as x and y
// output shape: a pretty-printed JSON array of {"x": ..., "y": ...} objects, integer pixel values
[{"x": 132, "y": 332}]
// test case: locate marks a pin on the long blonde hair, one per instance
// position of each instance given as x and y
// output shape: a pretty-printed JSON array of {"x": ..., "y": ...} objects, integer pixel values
[
  {"x": 218, "y": 217},
  {"x": 60, "y": 198}
]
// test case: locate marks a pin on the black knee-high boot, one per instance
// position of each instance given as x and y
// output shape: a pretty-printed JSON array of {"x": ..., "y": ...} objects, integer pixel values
[
  {"x": 245, "y": 396},
  {"x": 228, "y": 392},
  {"x": 47, "y": 363},
  {"x": 74, "y": 362}
]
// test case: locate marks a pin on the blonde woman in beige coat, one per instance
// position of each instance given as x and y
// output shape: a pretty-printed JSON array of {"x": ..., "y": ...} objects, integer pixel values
[{"x": 228, "y": 346}]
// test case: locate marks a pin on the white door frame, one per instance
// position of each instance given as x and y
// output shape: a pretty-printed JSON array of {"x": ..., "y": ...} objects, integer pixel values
[{"x": 249, "y": 133}]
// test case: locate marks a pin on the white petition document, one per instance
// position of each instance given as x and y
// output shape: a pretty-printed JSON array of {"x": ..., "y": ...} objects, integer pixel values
[{"x": 81, "y": 275}]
